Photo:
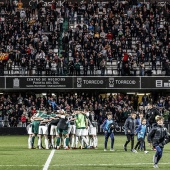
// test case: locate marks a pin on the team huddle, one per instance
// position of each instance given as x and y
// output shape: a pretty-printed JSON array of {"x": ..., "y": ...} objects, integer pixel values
[{"x": 63, "y": 129}]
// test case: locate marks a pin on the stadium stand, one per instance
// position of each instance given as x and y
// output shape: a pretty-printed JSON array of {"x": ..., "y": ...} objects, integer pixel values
[{"x": 132, "y": 37}]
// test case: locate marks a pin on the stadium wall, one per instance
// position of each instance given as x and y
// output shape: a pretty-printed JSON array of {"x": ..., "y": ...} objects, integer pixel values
[
  {"x": 23, "y": 131},
  {"x": 13, "y": 131},
  {"x": 88, "y": 82}
]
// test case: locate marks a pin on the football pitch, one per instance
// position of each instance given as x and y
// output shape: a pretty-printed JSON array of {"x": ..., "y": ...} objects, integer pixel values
[{"x": 14, "y": 155}]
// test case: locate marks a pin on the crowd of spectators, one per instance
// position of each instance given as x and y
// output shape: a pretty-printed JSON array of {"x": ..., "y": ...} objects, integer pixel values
[
  {"x": 98, "y": 32},
  {"x": 106, "y": 32},
  {"x": 30, "y": 36},
  {"x": 17, "y": 109}
]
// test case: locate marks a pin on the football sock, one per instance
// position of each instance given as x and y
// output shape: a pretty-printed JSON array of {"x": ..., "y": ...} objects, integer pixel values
[
  {"x": 32, "y": 141},
  {"x": 95, "y": 141},
  {"x": 39, "y": 142},
  {"x": 67, "y": 141},
  {"x": 87, "y": 137},
  {"x": 91, "y": 141},
  {"x": 72, "y": 141},
  {"x": 64, "y": 144},
  {"x": 77, "y": 141},
  {"x": 61, "y": 141},
  {"x": 58, "y": 141},
  {"x": 52, "y": 142},
  {"x": 85, "y": 140},
  {"x": 29, "y": 142},
  {"x": 46, "y": 143},
  {"x": 82, "y": 142}
]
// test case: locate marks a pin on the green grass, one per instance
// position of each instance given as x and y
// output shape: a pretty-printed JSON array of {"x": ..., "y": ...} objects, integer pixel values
[{"x": 14, "y": 155}]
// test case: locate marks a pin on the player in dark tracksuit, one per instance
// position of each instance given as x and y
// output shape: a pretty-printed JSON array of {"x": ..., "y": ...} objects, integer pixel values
[
  {"x": 130, "y": 127},
  {"x": 158, "y": 136},
  {"x": 152, "y": 112}
]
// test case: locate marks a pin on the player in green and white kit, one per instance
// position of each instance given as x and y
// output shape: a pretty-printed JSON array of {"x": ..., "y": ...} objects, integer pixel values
[
  {"x": 43, "y": 130},
  {"x": 62, "y": 128},
  {"x": 72, "y": 129},
  {"x": 92, "y": 131},
  {"x": 53, "y": 130},
  {"x": 36, "y": 119},
  {"x": 81, "y": 127},
  {"x": 30, "y": 133}
]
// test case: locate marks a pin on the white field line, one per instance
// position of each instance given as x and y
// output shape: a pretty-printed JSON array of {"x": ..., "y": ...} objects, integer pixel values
[
  {"x": 128, "y": 164},
  {"x": 49, "y": 160},
  {"x": 66, "y": 165},
  {"x": 21, "y": 165}
]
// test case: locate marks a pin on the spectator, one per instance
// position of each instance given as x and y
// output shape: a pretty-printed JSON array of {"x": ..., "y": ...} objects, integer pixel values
[
  {"x": 33, "y": 5},
  {"x": 48, "y": 67},
  {"x": 103, "y": 67},
  {"x": 39, "y": 67},
  {"x": 54, "y": 68},
  {"x": 85, "y": 67},
  {"x": 1, "y": 68},
  {"x": 23, "y": 120},
  {"x": 126, "y": 70},
  {"x": 23, "y": 66},
  {"x": 9, "y": 66},
  {"x": 77, "y": 67},
  {"x": 71, "y": 68},
  {"x": 91, "y": 65},
  {"x": 142, "y": 69},
  {"x": 30, "y": 67}
]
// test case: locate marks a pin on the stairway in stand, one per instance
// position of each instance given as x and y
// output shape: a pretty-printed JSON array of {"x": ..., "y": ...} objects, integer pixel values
[{"x": 65, "y": 28}]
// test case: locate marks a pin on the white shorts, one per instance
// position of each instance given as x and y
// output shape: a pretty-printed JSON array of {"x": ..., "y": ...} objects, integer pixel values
[
  {"x": 92, "y": 131},
  {"x": 29, "y": 129},
  {"x": 85, "y": 132},
  {"x": 53, "y": 130},
  {"x": 43, "y": 130},
  {"x": 78, "y": 132},
  {"x": 72, "y": 130}
]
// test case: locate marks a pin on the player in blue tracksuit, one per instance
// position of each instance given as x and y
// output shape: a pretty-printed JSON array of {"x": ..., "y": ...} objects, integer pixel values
[
  {"x": 141, "y": 133},
  {"x": 108, "y": 126}
]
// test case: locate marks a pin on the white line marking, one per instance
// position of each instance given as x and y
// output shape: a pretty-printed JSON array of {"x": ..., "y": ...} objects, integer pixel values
[
  {"x": 128, "y": 164},
  {"x": 66, "y": 165},
  {"x": 22, "y": 165},
  {"x": 49, "y": 160}
]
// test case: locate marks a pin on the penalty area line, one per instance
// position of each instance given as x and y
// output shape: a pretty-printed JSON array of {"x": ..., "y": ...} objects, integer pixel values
[{"x": 49, "y": 160}]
